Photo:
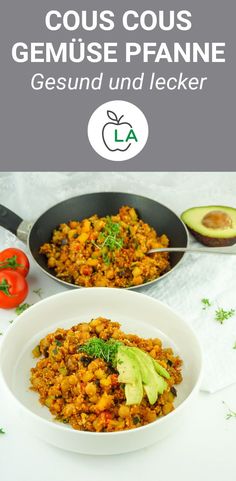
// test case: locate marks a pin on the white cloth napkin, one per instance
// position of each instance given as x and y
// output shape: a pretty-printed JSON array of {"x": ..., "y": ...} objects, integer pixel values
[
  {"x": 212, "y": 277},
  {"x": 198, "y": 276}
]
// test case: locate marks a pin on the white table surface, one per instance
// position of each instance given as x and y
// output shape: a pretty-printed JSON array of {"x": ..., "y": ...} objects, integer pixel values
[{"x": 204, "y": 447}]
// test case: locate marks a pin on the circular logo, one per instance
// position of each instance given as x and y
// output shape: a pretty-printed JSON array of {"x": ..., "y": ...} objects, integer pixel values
[{"x": 118, "y": 130}]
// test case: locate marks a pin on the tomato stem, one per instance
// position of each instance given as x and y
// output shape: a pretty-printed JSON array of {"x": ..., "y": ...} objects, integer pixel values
[
  {"x": 10, "y": 262},
  {"x": 4, "y": 287}
]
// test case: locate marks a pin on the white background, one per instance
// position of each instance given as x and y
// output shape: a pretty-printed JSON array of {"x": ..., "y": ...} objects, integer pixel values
[{"x": 204, "y": 447}]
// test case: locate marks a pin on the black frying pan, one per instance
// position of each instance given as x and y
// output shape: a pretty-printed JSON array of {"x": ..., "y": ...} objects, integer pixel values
[{"x": 157, "y": 215}]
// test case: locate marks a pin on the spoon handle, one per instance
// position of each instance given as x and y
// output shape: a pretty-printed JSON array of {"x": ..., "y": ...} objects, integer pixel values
[{"x": 231, "y": 250}]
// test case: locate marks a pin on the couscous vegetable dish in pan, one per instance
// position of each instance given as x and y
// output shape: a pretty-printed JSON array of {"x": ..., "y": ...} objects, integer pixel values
[
  {"x": 108, "y": 251},
  {"x": 95, "y": 377}
]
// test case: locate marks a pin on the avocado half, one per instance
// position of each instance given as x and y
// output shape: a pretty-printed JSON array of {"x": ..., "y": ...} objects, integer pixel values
[{"x": 212, "y": 225}]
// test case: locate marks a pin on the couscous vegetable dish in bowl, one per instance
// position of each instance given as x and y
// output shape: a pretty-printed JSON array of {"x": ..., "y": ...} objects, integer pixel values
[{"x": 97, "y": 378}]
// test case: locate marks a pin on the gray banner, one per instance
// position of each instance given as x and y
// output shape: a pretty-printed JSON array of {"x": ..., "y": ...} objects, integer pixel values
[{"x": 47, "y": 130}]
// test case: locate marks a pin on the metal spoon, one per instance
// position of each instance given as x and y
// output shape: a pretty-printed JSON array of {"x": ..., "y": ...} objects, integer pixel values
[{"x": 202, "y": 250}]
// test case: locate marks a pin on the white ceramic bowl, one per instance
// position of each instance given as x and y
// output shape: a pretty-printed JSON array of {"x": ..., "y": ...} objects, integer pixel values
[{"x": 137, "y": 314}]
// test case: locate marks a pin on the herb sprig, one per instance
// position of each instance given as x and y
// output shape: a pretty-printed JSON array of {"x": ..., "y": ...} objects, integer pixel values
[
  {"x": 230, "y": 414},
  {"x": 106, "y": 350},
  {"x": 22, "y": 308},
  {"x": 111, "y": 235},
  {"x": 221, "y": 314},
  {"x": 38, "y": 292},
  {"x": 205, "y": 303},
  {"x": 2, "y": 431},
  {"x": 110, "y": 238}
]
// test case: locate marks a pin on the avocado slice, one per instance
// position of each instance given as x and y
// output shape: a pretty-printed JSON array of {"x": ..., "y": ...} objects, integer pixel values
[
  {"x": 153, "y": 383},
  {"x": 134, "y": 393},
  {"x": 129, "y": 374},
  {"x": 140, "y": 372},
  {"x": 160, "y": 369},
  {"x": 212, "y": 225}
]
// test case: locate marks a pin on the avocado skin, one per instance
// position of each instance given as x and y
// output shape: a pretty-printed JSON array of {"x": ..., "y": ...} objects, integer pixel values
[{"x": 213, "y": 241}]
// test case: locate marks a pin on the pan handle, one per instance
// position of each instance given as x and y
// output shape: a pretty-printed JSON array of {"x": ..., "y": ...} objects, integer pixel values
[{"x": 14, "y": 223}]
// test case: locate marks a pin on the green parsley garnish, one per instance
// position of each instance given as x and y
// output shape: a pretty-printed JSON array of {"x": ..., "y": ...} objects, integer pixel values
[
  {"x": 106, "y": 350},
  {"x": 110, "y": 235},
  {"x": 230, "y": 414},
  {"x": 110, "y": 238},
  {"x": 106, "y": 259},
  {"x": 22, "y": 308},
  {"x": 2, "y": 431},
  {"x": 58, "y": 343},
  {"x": 221, "y": 315},
  {"x": 39, "y": 292},
  {"x": 1, "y": 333},
  {"x": 205, "y": 303}
]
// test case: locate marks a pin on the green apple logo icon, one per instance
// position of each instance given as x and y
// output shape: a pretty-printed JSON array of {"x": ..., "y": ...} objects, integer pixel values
[
  {"x": 117, "y": 130},
  {"x": 117, "y": 135}
]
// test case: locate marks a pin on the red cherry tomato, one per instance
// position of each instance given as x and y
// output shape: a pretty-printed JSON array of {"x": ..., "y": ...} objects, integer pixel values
[
  {"x": 14, "y": 259},
  {"x": 13, "y": 289}
]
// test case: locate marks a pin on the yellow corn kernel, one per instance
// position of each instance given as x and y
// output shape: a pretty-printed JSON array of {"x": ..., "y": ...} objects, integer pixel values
[
  {"x": 91, "y": 389},
  {"x": 136, "y": 271},
  {"x": 65, "y": 385},
  {"x": 99, "y": 224},
  {"x": 88, "y": 375},
  {"x": 92, "y": 262},
  {"x": 86, "y": 226},
  {"x": 84, "y": 327},
  {"x": 99, "y": 373},
  {"x": 102, "y": 282},
  {"x": 83, "y": 237},
  {"x": 71, "y": 233},
  {"x": 167, "y": 408},
  {"x": 105, "y": 382},
  {"x": 150, "y": 416},
  {"x": 51, "y": 262},
  {"x": 164, "y": 240},
  {"x": 68, "y": 410},
  {"x": 137, "y": 280},
  {"x": 110, "y": 273},
  {"x": 72, "y": 380},
  {"x": 124, "y": 411},
  {"x": 73, "y": 224},
  {"x": 133, "y": 214},
  {"x": 100, "y": 328},
  {"x": 104, "y": 402}
]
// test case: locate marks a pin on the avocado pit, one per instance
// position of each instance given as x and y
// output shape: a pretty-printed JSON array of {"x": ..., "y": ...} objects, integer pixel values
[{"x": 217, "y": 219}]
